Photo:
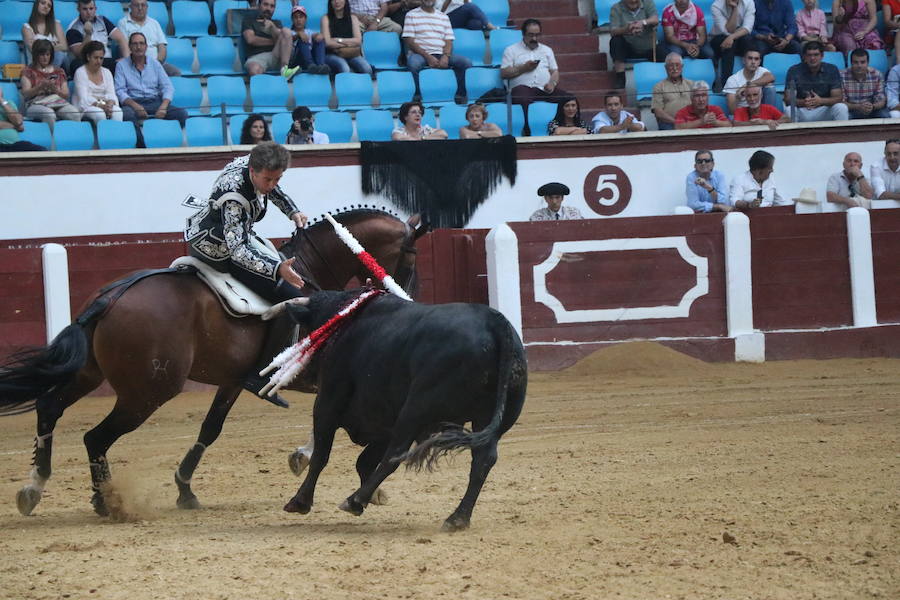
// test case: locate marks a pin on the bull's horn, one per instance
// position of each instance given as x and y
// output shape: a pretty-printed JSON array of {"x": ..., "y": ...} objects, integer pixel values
[{"x": 279, "y": 308}]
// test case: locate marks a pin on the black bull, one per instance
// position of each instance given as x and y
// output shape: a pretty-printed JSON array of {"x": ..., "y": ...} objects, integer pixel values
[{"x": 399, "y": 372}]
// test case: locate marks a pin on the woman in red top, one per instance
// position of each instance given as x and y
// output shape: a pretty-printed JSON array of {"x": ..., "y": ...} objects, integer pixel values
[{"x": 44, "y": 87}]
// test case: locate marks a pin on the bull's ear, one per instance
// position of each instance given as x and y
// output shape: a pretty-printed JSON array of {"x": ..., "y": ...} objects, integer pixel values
[
  {"x": 300, "y": 313},
  {"x": 277, "y": 309}
]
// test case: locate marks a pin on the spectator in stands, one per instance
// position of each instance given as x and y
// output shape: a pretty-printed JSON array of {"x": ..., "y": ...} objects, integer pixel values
[
  {"x": 864, "y": 88},
  {"x": 706, "y": 189},
  {"x": 757, "y": 113},
  {"x": 268, "y": 43},
  {"x": 756, "y": 187},
  {"x": 398, "y": 9},
  {"x": 886, "y": 176},
  {"x": 849, "y": 186},
  {"x": 568, "y": 119},
  {"x": 531, "y": 69},
  {"x": 412, "y": 129},
  {"x": 612, "y": 119},
  {"x": 309, "y": 47},
  {"x": 143, "y": 88},
  {"x": 775, "y": 28},
  {"x": 137, "y": 20},
  {"x": 891, "y": 14},
  {"x": 684, "y": 27},
  {"x": 671, "y": 94},
  {"x": 632, "y": 34},
  {"x": 43, "y": 25},
  {"x": 816, "y": 87},
  {"x": 95, "y": 91},
  {"x": 11, "y": 123},
  {"x": 255, "y": 130},
  {"x": 465, "y": 14},
  {"x": 752, "y": 73},
  {"x": 343, "y": 40},
  {"x": 91, "y": 27},
  {"x": 892, "y": 89},
  {"x": 855, "y": 25},
  {"x": 812, "y": 25},
  {"x": 478, "y": 127},
  {"x": 372, "y": 16},
  {"x": 732, "y": 23},
  {"x": 45, "y": 89},
  {"x": 554, "y": 193},
  {"x": 700, "y": 114},
  {"x": 429, "y": 41},
  {"x": 303, "y": 130}
]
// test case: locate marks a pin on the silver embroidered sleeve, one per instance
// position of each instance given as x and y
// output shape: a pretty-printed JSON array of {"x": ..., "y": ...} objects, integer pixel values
[
  {"x": 283, "y": 201},
  {"x": 238, "y": 240}
]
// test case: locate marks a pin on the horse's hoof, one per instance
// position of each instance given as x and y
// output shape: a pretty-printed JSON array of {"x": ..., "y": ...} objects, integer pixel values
[
  {"x": 27, "y": 498},
  {"x": 295, "y": 506},
  {"x": 99, "y": 504},
  {"x": 188, "y": 503},
  {"x": 351, "y": 506},
  {"x": 298, "y": 461},
  {"x": 380, "y": 497},
  {"x": 455, "y": 524}
]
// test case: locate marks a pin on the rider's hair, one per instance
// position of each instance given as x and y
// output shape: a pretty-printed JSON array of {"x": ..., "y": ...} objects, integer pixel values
[{"x": 270, "y": 156}]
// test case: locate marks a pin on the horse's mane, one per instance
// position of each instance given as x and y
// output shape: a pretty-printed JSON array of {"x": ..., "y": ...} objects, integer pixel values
[{"x": 352, "y": 213}]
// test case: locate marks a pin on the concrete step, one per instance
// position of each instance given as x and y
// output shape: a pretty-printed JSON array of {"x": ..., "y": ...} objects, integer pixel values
[
  {"x": 582, "y": 61},
  {"x": 558, "y": 25},
  {"x": 586, "y": 80},
  {"x": 572, "y": 43},
  {"x": 537, "y": 9}
]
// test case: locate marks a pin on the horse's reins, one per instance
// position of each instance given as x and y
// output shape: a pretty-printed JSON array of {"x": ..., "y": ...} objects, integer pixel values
[{"x": 303, "y": 234}]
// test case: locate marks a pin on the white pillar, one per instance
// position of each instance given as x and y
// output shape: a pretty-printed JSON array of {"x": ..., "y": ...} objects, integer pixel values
[
  {"x": 56, "y": 289},
  {"x": 749, "y": 344},
  {"x": 683, "y": 210},
  {"x": 862, "y": 275},
  {"x": 502, "y": 248}
]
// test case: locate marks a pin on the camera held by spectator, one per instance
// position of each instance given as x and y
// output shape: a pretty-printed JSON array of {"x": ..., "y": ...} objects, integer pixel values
[{"x": 303, "y": 128}]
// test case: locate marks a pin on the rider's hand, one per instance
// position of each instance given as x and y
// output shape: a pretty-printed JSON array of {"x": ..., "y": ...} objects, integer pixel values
[
  {"x": 299, "y": 219},
  {"x": 288, "y": 274}
]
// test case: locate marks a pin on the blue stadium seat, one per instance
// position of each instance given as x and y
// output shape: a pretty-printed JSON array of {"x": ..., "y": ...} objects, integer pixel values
[
  {"x": 497, "y": 11},
  {"x": 109, "y": 9},
  {"x": 228, "y": 90},
  {"x": 188, "y": 94},
  {"x": 220, "y": 14},
  {"x": 37, "y": 132},
  {"x": 115, "y": 135},
  {"x": 234, "y": 128},
  {"x": 479, "y": 81},
  {"x": 315, "y": 10},
  {"x": 180, "y": 53},
  {"x": 453, "y": 116},
  {"x": 646, "y": 75},
  {"x": 470, "y": 44},
  {"x": 395, "y": 88},
  {"x": 500, "y": 39},
  {"x": 9, "y": 51},
  {"x": 498, "y": 115},
  {"x": 159, "y": 133},
  {"x": 155, "y": 10},
  {"x": 779, "y": 64},
  {"x": 835, "y": 58},
  {"x": 215, "y": 55},
  {"x": 204, "y": 131},
  {"x": 381, "y": 49},
  {"x": 374, "y": 125},
  {"x": 705, "y": 6},
  {"x": 12, "y": 15},
  {"x": 539, "y": 114},
  {"x": 429, "y": 118},
  {"x": 720, "y": 101},
  {"x": 190, "y": 18},
  {"x": 11, "y": 92},
  {"x": 312, "y": 91},
  {"x": 602, "y": 8},
  {"x": 281, "y": 124},
  {"x": 438, "y": 86},
  {"x": 354, "y": 90},
  {"x": 338, "y": 125},
  {"x": 283, "y": 13},
  {"x": 74, "y": 135},
  {"x": 269, "y": 93},
  {"x": 700, "y": 69},
  {"x": 877, "y": 58},
  {"x": 65, "y": 12}
]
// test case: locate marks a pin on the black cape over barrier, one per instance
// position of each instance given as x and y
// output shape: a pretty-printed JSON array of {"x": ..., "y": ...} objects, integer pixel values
[{"x": 445, "y": 180}]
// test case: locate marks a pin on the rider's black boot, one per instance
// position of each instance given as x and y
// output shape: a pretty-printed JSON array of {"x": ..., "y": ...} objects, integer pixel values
[{"x": 278, "y": 337}]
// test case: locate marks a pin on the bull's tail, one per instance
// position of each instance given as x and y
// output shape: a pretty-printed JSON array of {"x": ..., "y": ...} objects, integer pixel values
[
  {"x": 32, "y": 373},
  {"x": 455, "y": 437}
]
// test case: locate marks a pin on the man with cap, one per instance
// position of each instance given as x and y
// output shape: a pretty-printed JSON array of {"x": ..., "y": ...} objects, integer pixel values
[{"x": 554, "y": 194}]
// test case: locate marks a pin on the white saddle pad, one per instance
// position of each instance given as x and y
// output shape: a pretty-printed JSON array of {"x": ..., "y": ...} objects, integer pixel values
[{"x": 236, "y": 298}]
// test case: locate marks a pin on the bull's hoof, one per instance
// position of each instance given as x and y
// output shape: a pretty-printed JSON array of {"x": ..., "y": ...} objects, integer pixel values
[
  {"x": 99, "y": 504},
  {"x": 188, "y": 502},
  {"x": 352, "y": 506},
  {"x": 27, "y": 498},
  {"x": 380, "y": 497},
  {"x": 455, "y": 523},
  {"x": 295, "y": 506},
  {"x": 298, "y": 461}
]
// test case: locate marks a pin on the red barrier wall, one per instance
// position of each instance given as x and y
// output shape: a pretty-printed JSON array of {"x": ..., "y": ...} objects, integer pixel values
[{"x": 886, "y": 263}]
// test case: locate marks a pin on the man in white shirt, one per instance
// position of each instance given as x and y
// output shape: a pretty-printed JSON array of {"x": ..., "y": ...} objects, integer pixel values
[
  {"x": 137, "y": 20},
  {"x": 755, "y": 188},
  {"x": 849, "y": 186},
  {"x": 429, "y": 40},
  {"x": 886, "y": 175},
  {"x": 531, "y": 69},
  {"x": 615, "y": 120},
  {"x": 754, "y": 74},
  {"x": 732, "y": 23}
]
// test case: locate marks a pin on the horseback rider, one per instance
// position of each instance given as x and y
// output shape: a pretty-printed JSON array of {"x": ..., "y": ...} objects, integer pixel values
[{"x": 221, "y": 235}]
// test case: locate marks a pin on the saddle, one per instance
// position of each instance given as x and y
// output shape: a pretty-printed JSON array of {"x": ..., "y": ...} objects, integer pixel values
[{"x": 236, "y": 298}]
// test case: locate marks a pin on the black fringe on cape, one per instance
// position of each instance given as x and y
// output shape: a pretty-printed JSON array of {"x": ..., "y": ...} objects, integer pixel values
[{"x": 446, "y": 181}]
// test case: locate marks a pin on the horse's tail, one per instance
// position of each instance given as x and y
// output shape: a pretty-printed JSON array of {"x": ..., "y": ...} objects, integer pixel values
[
  {"x": 455, "y": 437},
  {"x": 29, "y": 374}
]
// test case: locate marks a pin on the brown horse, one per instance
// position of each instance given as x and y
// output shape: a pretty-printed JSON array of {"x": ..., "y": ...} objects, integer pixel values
[{"x": 168, "y": 328}]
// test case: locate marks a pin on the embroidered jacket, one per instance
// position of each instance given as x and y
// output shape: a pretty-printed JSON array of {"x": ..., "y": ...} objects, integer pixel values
[
  {"x": 566, "y": 213},
  {"x": 223, "y": 229}
]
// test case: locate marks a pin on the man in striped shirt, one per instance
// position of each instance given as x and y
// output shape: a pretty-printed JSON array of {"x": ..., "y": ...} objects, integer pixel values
[{"x": 429, "y": 42}]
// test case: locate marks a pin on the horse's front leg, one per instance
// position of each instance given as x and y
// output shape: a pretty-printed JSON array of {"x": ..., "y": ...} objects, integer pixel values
[{"x": 298, "y": 460}]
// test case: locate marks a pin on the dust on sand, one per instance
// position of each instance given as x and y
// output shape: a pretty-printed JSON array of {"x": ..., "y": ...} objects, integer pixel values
[{"x": 637, "y": 473}]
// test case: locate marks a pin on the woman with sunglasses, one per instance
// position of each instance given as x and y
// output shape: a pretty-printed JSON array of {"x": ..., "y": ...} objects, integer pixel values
[{"x": 706, "y": 188}]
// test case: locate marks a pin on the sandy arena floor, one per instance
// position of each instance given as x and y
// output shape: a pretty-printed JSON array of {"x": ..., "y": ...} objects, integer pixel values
[{"x": 621, "y": 479}]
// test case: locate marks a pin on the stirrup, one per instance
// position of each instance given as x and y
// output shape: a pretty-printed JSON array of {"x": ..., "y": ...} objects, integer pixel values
[{"x": 255, "y": 383}]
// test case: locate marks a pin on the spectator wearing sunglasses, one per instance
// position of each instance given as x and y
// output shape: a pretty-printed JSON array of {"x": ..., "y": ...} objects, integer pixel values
[{"x": 706, "y": 188}]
